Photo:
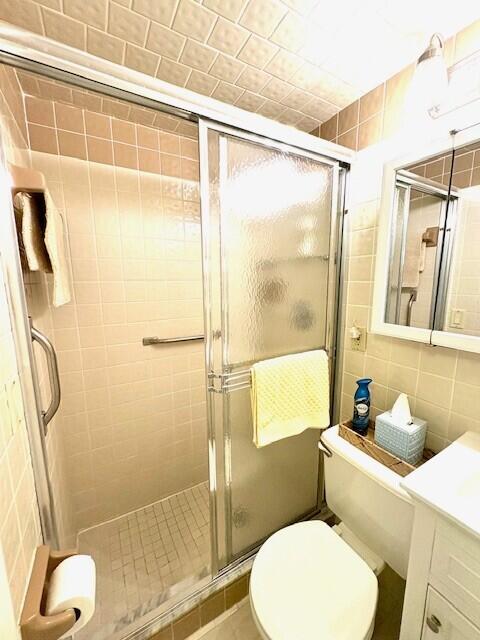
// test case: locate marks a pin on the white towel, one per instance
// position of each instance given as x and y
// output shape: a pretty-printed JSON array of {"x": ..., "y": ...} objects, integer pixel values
[
  {"x": 32, "y": 209},
  {"x": 56, "y": 246}
]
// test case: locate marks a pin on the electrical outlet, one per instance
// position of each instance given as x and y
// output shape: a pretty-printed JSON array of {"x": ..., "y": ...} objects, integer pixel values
[
  {"x": 359, "y": 343},
  {"x": 457, "y": 318}
]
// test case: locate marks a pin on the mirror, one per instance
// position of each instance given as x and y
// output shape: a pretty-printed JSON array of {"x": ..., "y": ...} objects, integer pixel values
[
  {"x": 462, "y": 313},
  {"x": 427, "y": 282}
]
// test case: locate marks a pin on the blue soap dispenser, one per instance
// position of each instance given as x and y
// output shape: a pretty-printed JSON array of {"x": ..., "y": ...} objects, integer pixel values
[{"x": 361, "y": 406}]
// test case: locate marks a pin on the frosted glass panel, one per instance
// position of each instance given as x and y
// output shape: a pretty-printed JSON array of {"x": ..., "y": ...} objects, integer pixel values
[
  {"x": 270, "y": 216},
  {"x": 275, "y": 222}
]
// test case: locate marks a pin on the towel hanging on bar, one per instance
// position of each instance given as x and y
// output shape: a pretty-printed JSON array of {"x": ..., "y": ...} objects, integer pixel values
[{"x": 289, "y": 394}]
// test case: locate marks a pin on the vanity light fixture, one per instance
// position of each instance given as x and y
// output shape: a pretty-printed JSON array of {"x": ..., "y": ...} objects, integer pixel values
[{"x": 430, "y": 81}]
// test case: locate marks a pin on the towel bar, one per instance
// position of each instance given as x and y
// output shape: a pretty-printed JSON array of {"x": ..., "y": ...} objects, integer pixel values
[{"x": 154, "y": 340}]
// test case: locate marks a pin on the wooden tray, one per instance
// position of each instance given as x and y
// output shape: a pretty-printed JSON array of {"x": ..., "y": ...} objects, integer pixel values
[{"x": 368, "y": 445}]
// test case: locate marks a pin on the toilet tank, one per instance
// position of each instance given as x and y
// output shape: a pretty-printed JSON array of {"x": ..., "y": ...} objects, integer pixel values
[{"x": 368, "y": 498}]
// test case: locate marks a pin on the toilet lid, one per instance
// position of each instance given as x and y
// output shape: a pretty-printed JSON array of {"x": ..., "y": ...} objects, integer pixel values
[{"x": 307, "y": 583}]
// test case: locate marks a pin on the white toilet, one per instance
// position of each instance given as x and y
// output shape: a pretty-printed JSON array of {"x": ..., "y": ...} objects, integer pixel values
[{"x": 307, "y": 581}]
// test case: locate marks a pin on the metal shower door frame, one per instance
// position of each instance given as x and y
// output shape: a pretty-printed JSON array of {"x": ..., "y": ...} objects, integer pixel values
[{"x": 214, "y": 291}]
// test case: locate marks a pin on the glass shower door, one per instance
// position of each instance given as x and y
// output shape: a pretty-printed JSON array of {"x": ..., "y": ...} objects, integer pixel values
[{"x": 268, "y": 218}]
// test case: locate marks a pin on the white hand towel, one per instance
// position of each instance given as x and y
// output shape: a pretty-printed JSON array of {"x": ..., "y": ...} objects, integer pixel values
[{"x": 57, "y": 250}]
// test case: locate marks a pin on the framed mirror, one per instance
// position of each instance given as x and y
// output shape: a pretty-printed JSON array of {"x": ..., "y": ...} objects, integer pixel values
[{"x": 427, "y": 276}]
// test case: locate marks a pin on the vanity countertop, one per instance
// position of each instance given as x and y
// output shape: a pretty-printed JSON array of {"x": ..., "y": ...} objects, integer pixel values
[{"x": 450, "y": 482}]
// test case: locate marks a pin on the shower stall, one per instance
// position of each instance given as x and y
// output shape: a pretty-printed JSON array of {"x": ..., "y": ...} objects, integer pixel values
[{"x": 197, "y": 245}]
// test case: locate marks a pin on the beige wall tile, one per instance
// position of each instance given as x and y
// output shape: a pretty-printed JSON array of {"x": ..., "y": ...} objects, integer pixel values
[
  {"x": 72, "y": 145},
  {"x": 99, "y": 150},
  {"x": 329, "y": 129},
  {"x": 69, "y": 118},
  {"x": 372, "y": 102},
  {"x": 98, "y": 125},
  {"x": 370, "y": 131},
  {"x": 42, "y": 138},
  {"x": 348, "y": 117},
  {"x": 39, "y": 111},
  {"x": 349, "y": 139}
]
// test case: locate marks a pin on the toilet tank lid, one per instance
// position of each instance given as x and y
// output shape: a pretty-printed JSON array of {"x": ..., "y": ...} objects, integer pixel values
[
  {"x": 387, "y": 478},
  {"x": 306, "y": 583}
]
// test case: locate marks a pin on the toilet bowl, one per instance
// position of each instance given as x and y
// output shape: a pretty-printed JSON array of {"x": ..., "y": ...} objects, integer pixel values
[{"x": 306, "y": 581}]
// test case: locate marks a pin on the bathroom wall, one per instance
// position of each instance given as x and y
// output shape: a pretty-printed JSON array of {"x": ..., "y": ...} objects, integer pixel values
[
  {"x": 443, "y": 385},
  {"x": 132, "y": 418},
  {"x": 19, "y": 518}
]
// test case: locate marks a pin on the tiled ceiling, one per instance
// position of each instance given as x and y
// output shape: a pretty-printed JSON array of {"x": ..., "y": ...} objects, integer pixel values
[{"x": 296, "y": 61}]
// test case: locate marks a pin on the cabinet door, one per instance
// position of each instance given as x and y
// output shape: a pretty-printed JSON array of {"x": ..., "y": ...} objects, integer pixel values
[{"x": 443, "y": 622}]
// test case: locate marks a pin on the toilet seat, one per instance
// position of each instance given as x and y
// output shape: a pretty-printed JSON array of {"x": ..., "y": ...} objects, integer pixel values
[{"x": 308, "y": 584}]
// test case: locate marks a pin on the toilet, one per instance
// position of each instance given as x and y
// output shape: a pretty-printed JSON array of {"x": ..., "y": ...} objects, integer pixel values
[{"x": 310, "y": 581}]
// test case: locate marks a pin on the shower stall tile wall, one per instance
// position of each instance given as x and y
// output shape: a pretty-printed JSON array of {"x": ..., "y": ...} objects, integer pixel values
[
  {"x": 132, "y": 418},
  {"x": 19, "y": 518}
]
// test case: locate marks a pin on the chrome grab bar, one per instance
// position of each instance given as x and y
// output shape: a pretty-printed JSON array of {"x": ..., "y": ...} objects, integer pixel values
[
  {"x": 411, "y": 300},
  {"x": 154, "y": 340},
  {"x": 53, "y": 375}
]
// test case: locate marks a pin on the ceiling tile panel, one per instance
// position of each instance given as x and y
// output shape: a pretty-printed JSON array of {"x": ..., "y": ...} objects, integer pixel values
[
  {"x": 230, "y": 9},
  {"x": 298, "y": 61},
  {"x": 93, "y": 12},
  {"x": 193, "y": 20},
  {"x": 201, "y": 83},
  {"x": 276, "y": 89},
  {"x": 252, "y": 79},
  {"x": 127, "y": 25},
  {"x": 226, "y": 68},
  {"x": 249, "y": 101},
  {"x": 197, "y": 56},
  {"x": 164, "y": 41},
  {"x": 105, "y": 46},
  {"x": 262, "y": 16},
  {"x": 290, "y": 33},
  {"x": 141, "y": 59},
  {"x": 227, "y": 92},
  {"x": 161, "y": 11},
  {"x": 173, "y": 72},
  {"x": 228, "y": 37},
  {"x": 283, "y": 65},
  {"x": 257, "y": 52},
  {"x": 64, "y": 29}
]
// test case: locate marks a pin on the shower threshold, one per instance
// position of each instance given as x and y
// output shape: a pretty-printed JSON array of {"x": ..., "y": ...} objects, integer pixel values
[{"x": 147, "y": 560}]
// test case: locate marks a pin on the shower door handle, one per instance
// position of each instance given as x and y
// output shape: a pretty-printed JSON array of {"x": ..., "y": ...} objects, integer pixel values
[{"x": 53, "y": 375}]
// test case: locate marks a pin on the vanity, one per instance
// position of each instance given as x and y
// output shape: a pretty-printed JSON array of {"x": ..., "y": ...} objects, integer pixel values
[{"x": 442, "y": 597}]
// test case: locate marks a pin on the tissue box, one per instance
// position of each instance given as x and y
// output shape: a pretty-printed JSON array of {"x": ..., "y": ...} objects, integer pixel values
[{"x": 406, "y": 441}]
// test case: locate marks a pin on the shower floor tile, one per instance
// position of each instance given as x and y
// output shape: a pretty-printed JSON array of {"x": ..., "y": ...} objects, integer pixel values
[{"x": 146, "y": 557}]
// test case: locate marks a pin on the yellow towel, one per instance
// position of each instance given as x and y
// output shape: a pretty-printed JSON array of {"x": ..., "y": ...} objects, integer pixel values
[{"x": 289, "y": 394}]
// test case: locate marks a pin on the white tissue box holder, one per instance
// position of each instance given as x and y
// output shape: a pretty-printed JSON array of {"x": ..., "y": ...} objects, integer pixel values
[{"x": 406, "y": 441}]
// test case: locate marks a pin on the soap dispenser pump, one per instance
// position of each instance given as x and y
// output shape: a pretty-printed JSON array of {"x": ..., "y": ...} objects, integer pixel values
[{"x": 361, "y": 406}]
